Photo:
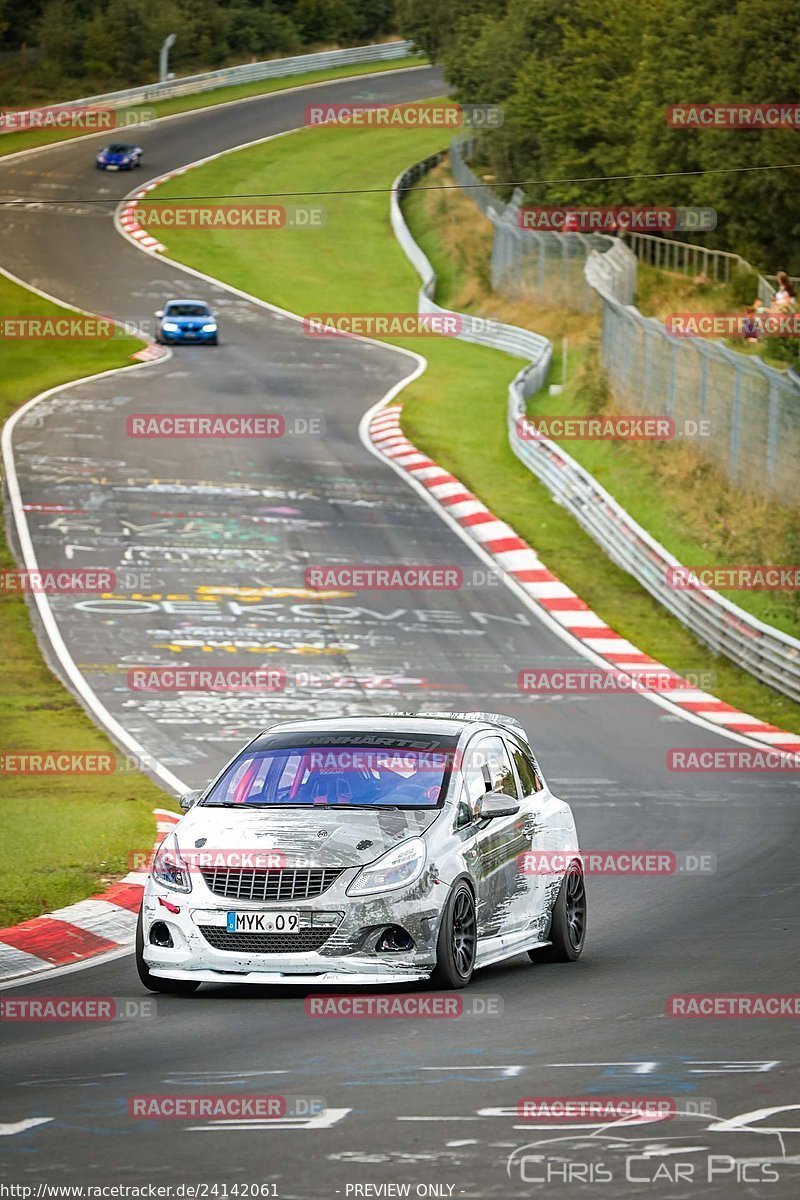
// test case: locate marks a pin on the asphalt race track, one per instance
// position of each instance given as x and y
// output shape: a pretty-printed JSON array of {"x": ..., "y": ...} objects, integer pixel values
[{"x": 427, "y": 1103}]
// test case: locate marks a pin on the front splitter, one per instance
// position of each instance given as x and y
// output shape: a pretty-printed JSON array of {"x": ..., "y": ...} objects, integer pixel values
[{"x": 360, "y": 978}]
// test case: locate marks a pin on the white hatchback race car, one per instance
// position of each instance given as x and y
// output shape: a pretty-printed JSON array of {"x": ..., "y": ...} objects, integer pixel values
[{"x": 365, "y": 850}]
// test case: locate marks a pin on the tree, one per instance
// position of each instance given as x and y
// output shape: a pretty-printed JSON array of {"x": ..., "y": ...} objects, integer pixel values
[
  {"x": 429, "y": 24},
  {"x": 259, "y": 30},
  {"x": 59, "y": 35},
  {"x": 325, "y": 20}
]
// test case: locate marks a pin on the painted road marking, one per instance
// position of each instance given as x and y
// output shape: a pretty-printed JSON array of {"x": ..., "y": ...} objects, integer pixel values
[
  {"x": 323, "y": 1120},
  {"x": 13, "y": 1127}
]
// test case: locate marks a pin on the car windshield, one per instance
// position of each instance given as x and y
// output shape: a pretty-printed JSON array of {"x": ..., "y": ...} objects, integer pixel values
[
  {"x": 118, "y": 148},
  {"x": 187, "y": 310},
  {"x": 346, "y": 776}
]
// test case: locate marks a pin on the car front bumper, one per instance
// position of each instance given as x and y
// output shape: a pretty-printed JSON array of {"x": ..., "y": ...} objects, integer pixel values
[
  {"x": 182, "y": 337},
  {"x": 347, "y": 955}
]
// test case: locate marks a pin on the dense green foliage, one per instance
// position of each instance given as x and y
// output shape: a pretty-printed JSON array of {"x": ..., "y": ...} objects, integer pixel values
[
  {"x": 49, "y": 48},
  {"x": 585, "y": 87}
]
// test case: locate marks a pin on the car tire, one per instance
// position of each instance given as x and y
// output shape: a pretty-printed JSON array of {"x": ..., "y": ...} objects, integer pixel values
[
  {"x": 173, "y": 987},
  {"x": 567, "y": 921},
  {"x": 213, "y": 341},
  {"x": 457, "y": 942}
]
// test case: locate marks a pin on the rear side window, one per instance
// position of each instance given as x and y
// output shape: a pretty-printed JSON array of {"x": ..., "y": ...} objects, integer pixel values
[{"x": 526, "y": 769}]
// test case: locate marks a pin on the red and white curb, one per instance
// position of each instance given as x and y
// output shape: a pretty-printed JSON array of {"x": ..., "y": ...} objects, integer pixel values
[
  {"x": 516, "y": 558},
  {"x": 151, "y": 353},
  {"x": 132, "y": 227},
  {"x": 69, "y": 935}
]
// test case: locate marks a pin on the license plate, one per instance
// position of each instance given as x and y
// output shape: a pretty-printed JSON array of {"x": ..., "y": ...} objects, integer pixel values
[
  {"x": 263, "y": 922},
  {"x": 187, "y": 333},
  {"x": 112, "y": 167}
]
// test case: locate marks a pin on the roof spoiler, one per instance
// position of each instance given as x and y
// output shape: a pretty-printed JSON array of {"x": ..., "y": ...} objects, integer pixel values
[{"x": 490, "y": 717}]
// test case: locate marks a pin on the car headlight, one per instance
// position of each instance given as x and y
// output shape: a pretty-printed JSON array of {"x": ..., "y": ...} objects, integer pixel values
[
  {"x": 169, "y": 868},
  {"x": 169, "y": 327},
  {"x": 396, "y": 869},
  {"x": 210, "y": 328}
]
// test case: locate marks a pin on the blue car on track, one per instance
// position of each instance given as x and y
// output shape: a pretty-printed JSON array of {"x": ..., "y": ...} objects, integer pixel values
[
  {"x": 181, "y": 321},
  {"x": 119, "y": 156}
]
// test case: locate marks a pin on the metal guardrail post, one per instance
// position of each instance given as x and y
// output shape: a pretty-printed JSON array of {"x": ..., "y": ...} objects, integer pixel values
[
  {"x": 736, "y": 427},
  {"x": 673, "y": 378},
  {"x": 772, "y": 435}
]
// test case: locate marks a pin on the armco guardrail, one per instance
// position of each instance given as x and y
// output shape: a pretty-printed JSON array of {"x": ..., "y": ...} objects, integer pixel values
[
  {"x": 519, "y": 342},
  {"x": 771, "y": 656},
  {"x": 274, "y": 68}
]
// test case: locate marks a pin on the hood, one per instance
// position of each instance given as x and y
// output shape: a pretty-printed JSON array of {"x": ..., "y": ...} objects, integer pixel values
[
  {"x": 314, "y": 836},
  {"x": 116, "y": 156}
]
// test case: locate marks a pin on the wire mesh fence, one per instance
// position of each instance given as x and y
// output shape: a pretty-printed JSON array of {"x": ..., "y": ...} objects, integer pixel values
[{"x": 735, "y": 410}]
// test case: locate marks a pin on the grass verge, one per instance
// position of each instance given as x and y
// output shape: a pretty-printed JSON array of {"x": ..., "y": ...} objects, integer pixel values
[
  {"x": 660, "y": 293},
  {"x": 353, "y": 263},
  {"x": 12, "y": 143},
  {"x": 67, "y": 835}
]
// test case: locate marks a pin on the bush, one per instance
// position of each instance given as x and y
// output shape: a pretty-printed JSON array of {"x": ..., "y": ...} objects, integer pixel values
[{"x": 743, "y": 286}]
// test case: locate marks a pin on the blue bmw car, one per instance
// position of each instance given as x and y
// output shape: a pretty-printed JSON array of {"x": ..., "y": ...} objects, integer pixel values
[
  {"x": 186, "y": 321},
  {"x": 119, "y": 157}
]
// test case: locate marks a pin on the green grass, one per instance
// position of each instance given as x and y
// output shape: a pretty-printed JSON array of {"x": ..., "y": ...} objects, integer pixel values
[
  {"x": 64, "y": 836},
  {"x": 11, "y": 143},
  {"x": 687, "y": 511},
  {"x": 660, "y": 292},
  {"x": 456, "y": 410}
]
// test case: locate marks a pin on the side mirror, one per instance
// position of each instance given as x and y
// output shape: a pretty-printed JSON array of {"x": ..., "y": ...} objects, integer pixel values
[
  {"x": 159, "y": 313},
  {"x": 189, "y": 799},
  {"x": 496, "y": 804}
]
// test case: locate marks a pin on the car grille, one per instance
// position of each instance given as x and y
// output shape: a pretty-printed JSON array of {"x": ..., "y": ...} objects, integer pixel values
[
  {"x": 300, "y": 942},
  {"x": 278, "y": 883}
]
